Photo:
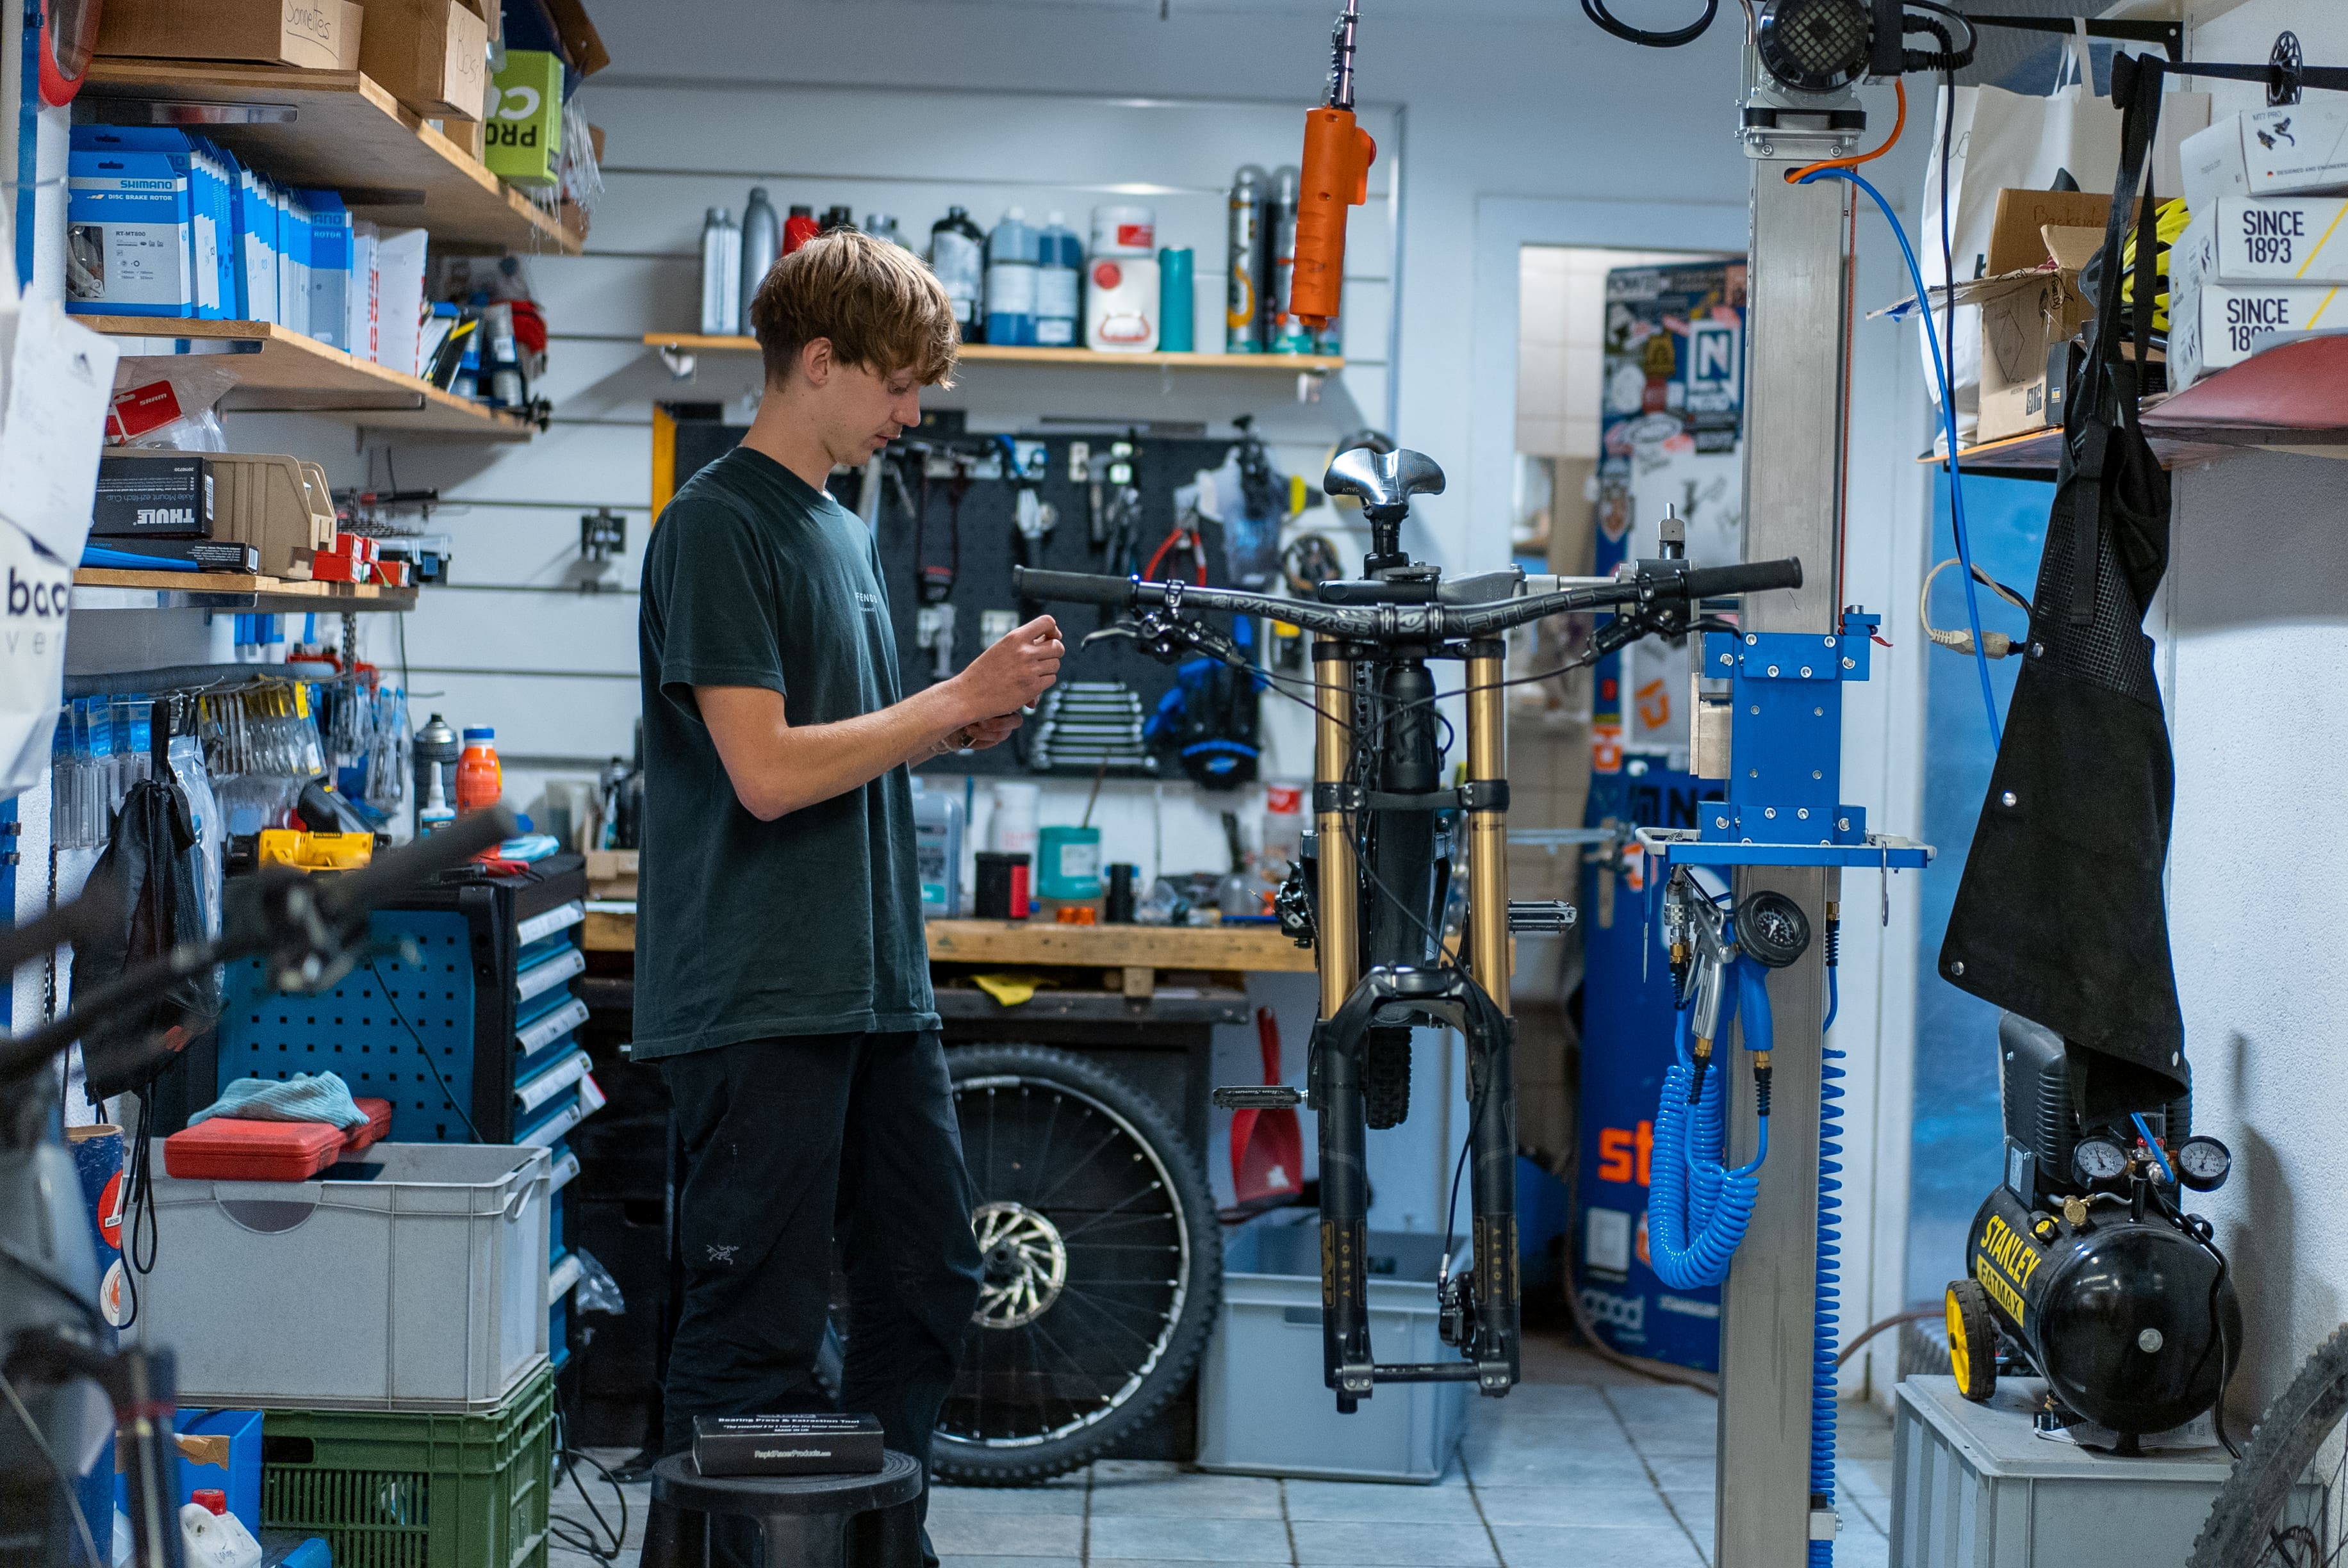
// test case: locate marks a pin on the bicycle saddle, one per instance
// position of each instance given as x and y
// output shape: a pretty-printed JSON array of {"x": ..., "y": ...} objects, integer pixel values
[{"x": 1384, "y": 482}]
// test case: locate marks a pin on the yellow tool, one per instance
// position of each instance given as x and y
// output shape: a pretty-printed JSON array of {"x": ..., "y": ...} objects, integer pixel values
[{"x": 314, "y": 851}]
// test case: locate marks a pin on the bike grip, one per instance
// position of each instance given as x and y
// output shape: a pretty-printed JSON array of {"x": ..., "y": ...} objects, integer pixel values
[
  {"x": 395, "y": 871},
  {"x": 1070, "y": 587},
  {"x": 1753, "y": 576}
]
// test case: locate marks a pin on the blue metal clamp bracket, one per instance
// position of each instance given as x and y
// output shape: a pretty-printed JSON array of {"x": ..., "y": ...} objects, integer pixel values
[{"x": 1784, "y": 768}]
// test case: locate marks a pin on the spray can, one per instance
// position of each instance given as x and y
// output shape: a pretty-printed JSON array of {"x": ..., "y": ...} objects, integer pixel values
[
  {"x": 1284, "y": 333},
  {"x": 799, "y": 228},
  {"x": 1177, "y": 330},
  {"x": 721, "y": 276},
  {"x": 1242, "y": 304},
  {"x": 958, "y": 257},
  {"x": 762, "y": 241},
  {"x": 1059, "y": 283},
  {"x": 436, "y": 752},
  {"x": 1011, "y": 281}
]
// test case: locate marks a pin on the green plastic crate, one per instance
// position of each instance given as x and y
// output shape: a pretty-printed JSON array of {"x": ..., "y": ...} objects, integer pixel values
[{"x": 397, "y": 1490}]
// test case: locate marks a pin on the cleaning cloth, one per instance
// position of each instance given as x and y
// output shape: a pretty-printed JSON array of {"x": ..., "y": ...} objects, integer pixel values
[{"x": 302, "y": 1098}]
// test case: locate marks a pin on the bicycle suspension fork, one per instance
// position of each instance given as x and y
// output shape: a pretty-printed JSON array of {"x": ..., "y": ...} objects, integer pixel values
[
  {"x": 1492, "y": 1073},
  {"x": 1337, "y": 1061}
]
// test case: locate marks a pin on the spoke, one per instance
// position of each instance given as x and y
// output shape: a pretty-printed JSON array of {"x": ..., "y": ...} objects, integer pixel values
[
  {"x": 1105, "y": 1306},
  {"x": 1039, "y": 1200},
  {"x": 1051, "y": 1124},
  {"x": 1111, "y": 1210}
]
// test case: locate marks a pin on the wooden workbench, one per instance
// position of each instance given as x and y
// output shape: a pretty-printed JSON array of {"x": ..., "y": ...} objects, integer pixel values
[{"x": 1136, "y": 953}]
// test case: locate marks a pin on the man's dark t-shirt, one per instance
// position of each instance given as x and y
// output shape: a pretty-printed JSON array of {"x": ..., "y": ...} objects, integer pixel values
[{"x": 810, "y": 923}]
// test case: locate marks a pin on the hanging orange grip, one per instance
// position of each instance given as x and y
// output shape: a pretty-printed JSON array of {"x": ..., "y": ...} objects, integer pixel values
[{"x": 1335, "y": 176}]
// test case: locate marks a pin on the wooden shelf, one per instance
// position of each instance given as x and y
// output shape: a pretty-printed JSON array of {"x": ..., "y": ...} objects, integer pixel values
[
  {"x": 1090, "y": 359},
  {"x": 105, "y": 588},
  {"x": 280, "y": 371},
  {"x": 348, "y": 135},
  {"x": 2292, "y": 397}
]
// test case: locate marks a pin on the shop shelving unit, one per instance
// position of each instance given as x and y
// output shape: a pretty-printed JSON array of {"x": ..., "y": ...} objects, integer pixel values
[
  {"x": 105, "y": 588},
  {"x": 1084, "y": 358},
  {"x": 2293, "y": 397},
  {"x": 337, "y": 129}
]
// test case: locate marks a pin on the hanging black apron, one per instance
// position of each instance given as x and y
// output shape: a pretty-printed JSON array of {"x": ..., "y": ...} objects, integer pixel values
[{"x": 2060, "y": 916}]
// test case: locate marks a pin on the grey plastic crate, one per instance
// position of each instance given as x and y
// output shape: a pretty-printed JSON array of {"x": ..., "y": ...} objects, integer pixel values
[
  {"x": 1263, "y": 1408},
  {"x": 1973, "y": 1486},
  {"x": 422, "y": 1287}
]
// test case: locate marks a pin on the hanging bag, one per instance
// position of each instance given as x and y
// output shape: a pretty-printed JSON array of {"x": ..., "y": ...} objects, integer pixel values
[{"x": 2060, "y": 916}]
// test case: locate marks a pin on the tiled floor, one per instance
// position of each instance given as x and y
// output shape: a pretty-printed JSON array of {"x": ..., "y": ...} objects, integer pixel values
[{"x": 1602, "y": 1473}]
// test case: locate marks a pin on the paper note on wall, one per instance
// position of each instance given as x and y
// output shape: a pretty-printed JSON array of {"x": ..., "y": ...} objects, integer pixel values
[
  {"x": 35, "y": 591},
  {"x": 60, "y": 384}
]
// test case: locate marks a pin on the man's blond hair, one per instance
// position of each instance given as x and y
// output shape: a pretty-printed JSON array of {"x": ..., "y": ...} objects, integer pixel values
[{"x": 881, "y": 308}]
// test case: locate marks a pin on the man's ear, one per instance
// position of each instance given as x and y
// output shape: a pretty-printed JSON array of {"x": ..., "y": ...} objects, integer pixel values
[{"x": 817, "y": 361}]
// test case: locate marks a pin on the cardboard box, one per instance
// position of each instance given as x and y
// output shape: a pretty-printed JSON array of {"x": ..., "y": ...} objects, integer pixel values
[
  {"x": 2273, "y": 239},
  {"x": 315, "y": 34},
  {"x": 524, "y": 135},
  {"x": 281, "y": 506},
  {"x": 144, "y": 208},
  {"x": 2031, "y": 306},
  {"x": 430, "y": 54},
  {"x": 2214, "y": 323},
  {"x": 152, "y": 495},
  {"x": 2302, "y": 150}
]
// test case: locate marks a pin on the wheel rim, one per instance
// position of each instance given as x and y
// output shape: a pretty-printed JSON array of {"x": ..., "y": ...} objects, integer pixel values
[
  {"x": 1960, "y": 1358},
  {"x": 1086, "y": 1251},
  {"x": 2309, "y": 1527}
]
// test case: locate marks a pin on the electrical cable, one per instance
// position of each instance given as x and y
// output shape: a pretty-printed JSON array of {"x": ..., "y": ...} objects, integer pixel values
[
  {"x": 572, "y": 1533},
  {"x": 1913, "y": 1314},
  {"x": 1796, "y": 176},
  {"x": 424, "y": 1051},
  {"x": 1647, "y": 38},
  {"x": 65, "y": 1484},
  {"x": 1948, "y": 421}
]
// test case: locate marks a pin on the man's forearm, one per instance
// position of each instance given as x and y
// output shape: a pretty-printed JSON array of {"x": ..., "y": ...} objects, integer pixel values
[{"x": 804, "y": 764}]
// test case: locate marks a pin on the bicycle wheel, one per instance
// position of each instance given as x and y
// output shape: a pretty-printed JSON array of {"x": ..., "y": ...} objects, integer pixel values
[
  {"x": 2285, "y": 1504},
  {"x": 1104, "y": 1265}
]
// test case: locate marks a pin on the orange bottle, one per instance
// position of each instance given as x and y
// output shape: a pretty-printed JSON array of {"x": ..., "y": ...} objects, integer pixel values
[{"x": 480, "y": 783}]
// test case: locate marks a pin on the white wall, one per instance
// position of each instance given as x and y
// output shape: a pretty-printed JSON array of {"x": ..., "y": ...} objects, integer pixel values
[{"x": 2256, "y": 656}]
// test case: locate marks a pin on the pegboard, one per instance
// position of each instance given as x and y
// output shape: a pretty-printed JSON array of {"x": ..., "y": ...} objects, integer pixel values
[
  {"x": 355, "y": 1031},
  {"x": 991, "y": 548}
]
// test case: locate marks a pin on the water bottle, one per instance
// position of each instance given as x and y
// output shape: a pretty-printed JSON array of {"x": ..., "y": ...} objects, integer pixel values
[
  {"x": 1243, "y": 303},
  {"x": 799, "y": 228},
  {"x": 721, "y": 276},
  {"x": 481, "y": 781},
  {"x": 957, "y": 255},
  {"x": 1011, "y": 281},
  {"x": 762, "y": 241},
  {"x": 1059, "y": 284}
]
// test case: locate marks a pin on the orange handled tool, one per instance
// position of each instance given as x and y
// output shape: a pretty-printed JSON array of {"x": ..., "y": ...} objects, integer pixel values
[{"x": 1335, "y": 176}]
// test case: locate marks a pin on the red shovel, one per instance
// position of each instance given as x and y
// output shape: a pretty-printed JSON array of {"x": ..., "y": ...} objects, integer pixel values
[{"x": 1267, "y": 1147}]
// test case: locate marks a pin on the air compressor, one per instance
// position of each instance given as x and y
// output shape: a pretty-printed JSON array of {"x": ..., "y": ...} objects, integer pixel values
[{"x": 2084, "y": 1267}]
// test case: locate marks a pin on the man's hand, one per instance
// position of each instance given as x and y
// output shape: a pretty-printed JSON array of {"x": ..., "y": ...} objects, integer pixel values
[
  {"x": 991, "y": 731},
  {"x": 1013, "y": 673}
]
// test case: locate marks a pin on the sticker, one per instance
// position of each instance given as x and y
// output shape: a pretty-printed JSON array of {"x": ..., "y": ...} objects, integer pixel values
[
  {"x": 110, "y": 1293},
  {"x": 109, "y": 1212}
]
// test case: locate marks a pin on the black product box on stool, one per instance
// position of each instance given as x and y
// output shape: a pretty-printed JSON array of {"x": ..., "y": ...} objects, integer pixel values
[
  {"x": 169, "y": 494},
  {"x": 786, "y": 1445}
]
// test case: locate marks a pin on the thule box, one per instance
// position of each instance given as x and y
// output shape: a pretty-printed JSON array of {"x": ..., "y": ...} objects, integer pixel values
[{"x": 166, "y": 495}]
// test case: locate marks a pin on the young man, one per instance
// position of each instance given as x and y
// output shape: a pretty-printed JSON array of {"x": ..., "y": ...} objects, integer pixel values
[{"x": 782, "y": 982}]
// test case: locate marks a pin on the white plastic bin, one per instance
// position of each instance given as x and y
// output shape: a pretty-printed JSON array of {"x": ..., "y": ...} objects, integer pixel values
[
  {"x": 1263, "y": 1408},
  {"x": 422, "y": 1287}
]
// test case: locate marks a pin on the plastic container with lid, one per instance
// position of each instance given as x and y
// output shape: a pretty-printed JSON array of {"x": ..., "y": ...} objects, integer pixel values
[
  {"x": 1059, "y": 284},
  {"x": 481, "y": 781},
  {"x": 1124, "y": 231},
  {"x": 1011, "y": 279},
  {"x": 212, "y": 1537},
  {"x": 958, "y": 257},
  {"x": 1121, "y": 305},
  {"x": 799, "y": 228}
]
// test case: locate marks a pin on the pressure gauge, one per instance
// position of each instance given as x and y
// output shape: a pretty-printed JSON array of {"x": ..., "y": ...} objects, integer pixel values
[
  {"x": 2099, "y": 1160},
  {"x": 1772, "y": 929},
  {"x": 2202, "y": 1163}
]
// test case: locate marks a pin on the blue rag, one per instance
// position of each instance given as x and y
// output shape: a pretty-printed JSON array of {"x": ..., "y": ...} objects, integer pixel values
[{"x": 302, "y": 1098}]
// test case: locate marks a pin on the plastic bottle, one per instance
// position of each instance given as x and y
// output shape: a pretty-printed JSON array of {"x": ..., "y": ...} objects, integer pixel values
[
  {"x": 1178, "y": 325},
  {"x": 958, "y": 257},
  {"x": 721, "y": 276},
  {"x": 212, "y": 1537},
  {"x": 1284, "y": 333},
  {"x": 1059, "y": 284},
  {"x": 1121, "y": 302},
  {"x": 762, "y": 241},
  {"x": 1011, "y": 281},
  {"x": 838, "y": 216},
  {"x": 883, "y": 226},
  {"x": 799, "y": 228},
  {"x": 1243, "y": 301},
  {"x": 481, "y": 781}
]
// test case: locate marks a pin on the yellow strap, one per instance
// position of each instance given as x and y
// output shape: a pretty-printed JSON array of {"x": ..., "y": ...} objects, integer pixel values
[{"x": 2317, "y": 249}]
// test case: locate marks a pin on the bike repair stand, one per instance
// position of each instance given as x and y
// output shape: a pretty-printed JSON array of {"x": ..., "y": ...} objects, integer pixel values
[{"x": 1783, "y": 829}]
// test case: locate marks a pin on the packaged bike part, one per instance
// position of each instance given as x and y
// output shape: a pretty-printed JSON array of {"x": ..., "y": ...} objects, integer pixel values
[
  {"x": 787, "y": 1445},
  {"x": 173, "y": 414}
]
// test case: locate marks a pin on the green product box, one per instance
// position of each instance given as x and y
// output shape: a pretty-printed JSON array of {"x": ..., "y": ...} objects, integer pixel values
[{"x": 524, "y": 136}]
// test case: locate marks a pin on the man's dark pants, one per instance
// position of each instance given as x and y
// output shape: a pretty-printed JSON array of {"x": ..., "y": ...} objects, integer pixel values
[{"x": 785, "y": 1139}]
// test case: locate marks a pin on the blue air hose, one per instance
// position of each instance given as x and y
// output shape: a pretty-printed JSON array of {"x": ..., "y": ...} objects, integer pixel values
[
  {"x": 1826, "y": 1317},
  {"x": 1949, "y": 424},
  {"x": 1698, "y": 1209},
  {"x": 2153, "y": 1143}
]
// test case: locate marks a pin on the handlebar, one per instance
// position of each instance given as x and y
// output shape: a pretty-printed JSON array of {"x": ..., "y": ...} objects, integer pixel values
[{"x": 1409, "y": 623}]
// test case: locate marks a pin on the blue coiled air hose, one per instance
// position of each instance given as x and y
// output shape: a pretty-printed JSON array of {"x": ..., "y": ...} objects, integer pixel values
[{"x": 1697, "y": 1208}]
